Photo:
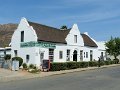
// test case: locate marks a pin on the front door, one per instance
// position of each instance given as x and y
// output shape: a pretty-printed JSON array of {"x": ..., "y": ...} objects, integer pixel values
[{"x": 75, "y": 56}]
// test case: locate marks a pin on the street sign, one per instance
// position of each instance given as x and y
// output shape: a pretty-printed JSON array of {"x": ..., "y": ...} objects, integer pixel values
[{"x": 37, "y": 44}]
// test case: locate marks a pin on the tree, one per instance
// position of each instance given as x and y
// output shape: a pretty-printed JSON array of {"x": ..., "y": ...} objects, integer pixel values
[
  {"x": 113, "y": 47},
  {"x": 63, "y": 27}
]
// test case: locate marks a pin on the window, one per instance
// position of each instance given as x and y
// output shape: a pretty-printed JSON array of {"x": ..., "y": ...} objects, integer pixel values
[
  {"x": 91, "y": 55},
  {"x": 27, "y": 58},
  {"x": 15, "y": 53},
  {"x": 68, "y": 55},
  {"x": 81, "y": 55},
  {"x": 60, "y": 55},
  {"x": 86, "y": 54},
  {"x": 22, "y": 36},
  {"x": 51, "y": 54},
  {"x": 75, "y": 38}
]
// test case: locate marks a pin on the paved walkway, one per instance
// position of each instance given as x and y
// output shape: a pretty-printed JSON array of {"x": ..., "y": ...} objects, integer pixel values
[{"x": 8, "y": 75}]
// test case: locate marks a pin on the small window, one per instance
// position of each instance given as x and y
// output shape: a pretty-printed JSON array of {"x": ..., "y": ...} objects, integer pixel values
[
  {"x": 68, "y": 55},
  {"x": 15, "y": 53},
  {"x": 60, "y": 54},
  {"x": 75, "y": 38},
  {"x": 27, "y": 58},
  {"x": 22, "y": 36},
  {"x": 86, "y": 54}
]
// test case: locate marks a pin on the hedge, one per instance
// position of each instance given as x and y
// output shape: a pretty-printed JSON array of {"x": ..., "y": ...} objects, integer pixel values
[
  {"x": 67, "y": 65},
  {"x": 55, "y": 66},
  {"x": 92, "y": 63}
]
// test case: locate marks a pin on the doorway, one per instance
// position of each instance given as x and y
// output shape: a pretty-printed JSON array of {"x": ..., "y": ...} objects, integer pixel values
[{"x": 75, "y": 55}]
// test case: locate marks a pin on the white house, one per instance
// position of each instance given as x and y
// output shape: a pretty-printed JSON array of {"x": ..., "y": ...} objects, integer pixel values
[{"x": 35, "y": 42}]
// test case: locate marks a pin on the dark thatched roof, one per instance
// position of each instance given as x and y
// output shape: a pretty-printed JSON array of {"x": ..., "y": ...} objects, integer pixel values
[
  {"x": 49, "y": 34},
  {"x": 88, "y": 41}
]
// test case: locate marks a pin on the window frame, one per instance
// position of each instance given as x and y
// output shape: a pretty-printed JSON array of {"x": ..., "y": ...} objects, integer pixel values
[
  {"x": 75, "y": 38},
  {"x": 60, "y": 54}
]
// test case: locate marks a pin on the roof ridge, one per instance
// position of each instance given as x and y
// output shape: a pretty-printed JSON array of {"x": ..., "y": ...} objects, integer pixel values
[
  {"x": 47, "y": 26},
  {"x": 43, "y": 25}
]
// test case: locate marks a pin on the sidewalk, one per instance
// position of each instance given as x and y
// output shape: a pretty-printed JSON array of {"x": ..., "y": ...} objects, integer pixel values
[{"x": 7, "y": 75}]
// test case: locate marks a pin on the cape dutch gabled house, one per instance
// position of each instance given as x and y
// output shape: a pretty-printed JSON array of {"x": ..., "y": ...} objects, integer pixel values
[{"x": 35, "y": 42}]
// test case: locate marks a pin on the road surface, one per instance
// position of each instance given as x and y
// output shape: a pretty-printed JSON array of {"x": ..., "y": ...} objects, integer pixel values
[{"x": 99, "y": 79}]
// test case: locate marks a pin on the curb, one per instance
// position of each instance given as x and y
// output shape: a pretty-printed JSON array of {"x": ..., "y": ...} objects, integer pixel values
[{"x": 46, "y": 74}]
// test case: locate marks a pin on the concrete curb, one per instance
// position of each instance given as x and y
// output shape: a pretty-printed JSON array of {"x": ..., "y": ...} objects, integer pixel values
[{"x": 45, "y": 74}]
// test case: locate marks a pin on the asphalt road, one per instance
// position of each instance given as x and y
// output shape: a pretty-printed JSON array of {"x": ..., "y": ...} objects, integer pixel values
[{"x": 99, "y": 79}]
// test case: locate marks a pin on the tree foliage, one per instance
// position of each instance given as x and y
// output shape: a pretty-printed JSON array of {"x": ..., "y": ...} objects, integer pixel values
[
  {"x": 7, "y": 57},
  {"x": 63, "y": 27},
  {"x": 113, "y": 47}
]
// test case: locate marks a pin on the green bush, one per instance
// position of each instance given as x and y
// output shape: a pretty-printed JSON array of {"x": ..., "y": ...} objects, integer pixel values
[
  {"x": 93, "y": 63},
  {"x": 7, "y": 57},
  {"x": 18, "y": 59},
  {"x": 116, "y": 61},
  {"x": 67, "y": 65},
  {"x": 83, "y": 64},
  {"x": 102, "y": 63},
  {"x": 24, "y": 66},
  {"x": 107, "y": 62},
  {"x": 58, "y": 66},
  {"x": 72, "y": 65},
  {"x": 31, "y": 66}
]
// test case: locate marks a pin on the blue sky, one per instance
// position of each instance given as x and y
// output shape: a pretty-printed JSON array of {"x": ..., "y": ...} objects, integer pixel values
[{"x": 100, "y": 18}]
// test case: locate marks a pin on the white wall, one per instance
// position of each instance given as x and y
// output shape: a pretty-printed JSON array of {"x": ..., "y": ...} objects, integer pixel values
[
  {"x": 29, "y": 35},
  {"x": 70, "y": 37}
]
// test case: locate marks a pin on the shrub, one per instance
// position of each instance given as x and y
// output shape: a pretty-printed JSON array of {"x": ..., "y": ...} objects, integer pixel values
[
  {"x": 116, "y": 61},
  {"x": 18, "y": 59},
  {"x": 92, "y": 63},
  {"x": 83, "y": 64},
  {"x": 7, "y": 57},
  {"x": 67, "y": 65},
  {"x": 58, "y": 66},
  {"x": 31, "y": 66},
  {"x": 72, "y": 65},
  {"x": 24, "y": 65},
  {"x": 102, "y": 63},
  {"x": 107, "y": 62}
]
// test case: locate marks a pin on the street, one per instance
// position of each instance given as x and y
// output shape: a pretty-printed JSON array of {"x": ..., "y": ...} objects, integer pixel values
[{"x": 99, "y": 79}]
